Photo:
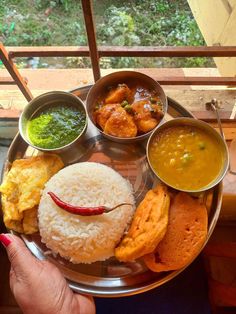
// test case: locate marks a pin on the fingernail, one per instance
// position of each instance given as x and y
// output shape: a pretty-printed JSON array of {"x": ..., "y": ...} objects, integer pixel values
[{"x": 5, "y": 240}]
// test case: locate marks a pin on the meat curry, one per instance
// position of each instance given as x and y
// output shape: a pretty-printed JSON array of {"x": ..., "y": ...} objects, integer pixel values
[{"x": 128, "y": 110}]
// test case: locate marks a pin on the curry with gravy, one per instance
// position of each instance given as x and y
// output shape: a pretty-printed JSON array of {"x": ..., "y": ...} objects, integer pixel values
[{"x": 128, "y": 110}]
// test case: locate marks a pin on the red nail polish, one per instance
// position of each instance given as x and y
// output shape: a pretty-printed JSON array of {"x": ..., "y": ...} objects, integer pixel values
[{"x": 5, "y": 240}]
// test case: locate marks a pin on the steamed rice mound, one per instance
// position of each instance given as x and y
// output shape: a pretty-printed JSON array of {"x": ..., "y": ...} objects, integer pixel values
[{"x": 78, "y": 238}]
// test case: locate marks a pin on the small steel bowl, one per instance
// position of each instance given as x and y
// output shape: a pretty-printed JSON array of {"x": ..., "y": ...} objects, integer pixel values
[
  {"x": 206, "y": 128},
  {"x": 117, "y": 78},
  {"x": 45, "y": 101}
]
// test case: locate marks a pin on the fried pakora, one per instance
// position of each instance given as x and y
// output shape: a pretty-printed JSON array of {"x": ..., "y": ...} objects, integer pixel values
[
  {"x": 148, "y": 226},
  {"x": 21, "y": 190},
  {"x": 185, "y": 235}
]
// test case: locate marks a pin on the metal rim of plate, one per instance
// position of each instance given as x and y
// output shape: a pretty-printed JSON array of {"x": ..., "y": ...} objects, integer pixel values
[{"x": 114, "y": 286}]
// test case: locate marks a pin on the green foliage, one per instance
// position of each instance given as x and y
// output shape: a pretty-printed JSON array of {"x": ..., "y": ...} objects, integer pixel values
[
  {"x": 133, "y": 23},
  {"x": 78, "y": 62},
  {"x": 151, "y": 23},
  {"x": 118, "y": 28},
  {"x": 64, "y": 4},
  {"x": 63, "y": 25}
]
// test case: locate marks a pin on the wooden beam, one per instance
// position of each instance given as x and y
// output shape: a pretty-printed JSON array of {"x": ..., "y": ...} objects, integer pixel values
[
  {"x": 90, "y": 29},
  {"x": 167, "y": 51},
  {"x": 7, "y": 81},
  {"x": 13, "y": 71},
  {"x": 191, "y": 80},
  {"x": 10, "y": 81},
  {"x": 124, "y": 51},
  {"x": 45, "y": 51}
]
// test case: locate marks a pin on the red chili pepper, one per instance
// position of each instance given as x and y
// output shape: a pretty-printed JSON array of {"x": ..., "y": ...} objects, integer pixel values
[{"x": 77, "y": 210}]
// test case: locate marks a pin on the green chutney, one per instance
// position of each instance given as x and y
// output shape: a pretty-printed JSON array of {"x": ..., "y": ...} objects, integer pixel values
[{"x": 56, "y": 126}]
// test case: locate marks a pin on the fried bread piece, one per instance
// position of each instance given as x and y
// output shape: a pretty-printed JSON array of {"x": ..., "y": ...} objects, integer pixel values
[
  {"x": 11, "y": 216},
  {"x": 118, "y": 94},
  {"x": 185, "y": 235},
  {"x": 21, "y": 190},
  {"x": 120, "y": 124},
  {"x": 30, "y": 222},
  {"x": 104, "y": 113},
  {"x": 148, "y": 226}
]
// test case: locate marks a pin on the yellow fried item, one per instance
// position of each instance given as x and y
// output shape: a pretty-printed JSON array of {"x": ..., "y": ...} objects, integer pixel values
[
  {"x": 148, "y": 226},
  {"x": 30, "y": 222},
  {"x": 11, "y": 216},
  {"x": 21, "y": 190},
  {"x": 185, "y": 235},
  {"x": 120, "y": 124}
]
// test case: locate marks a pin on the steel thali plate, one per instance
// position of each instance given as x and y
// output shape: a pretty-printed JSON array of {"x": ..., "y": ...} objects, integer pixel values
[{"x": 112, "y": 278}]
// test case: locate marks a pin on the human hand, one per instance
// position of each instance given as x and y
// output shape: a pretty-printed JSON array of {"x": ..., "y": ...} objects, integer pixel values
[{"x": 38, "y": 286}]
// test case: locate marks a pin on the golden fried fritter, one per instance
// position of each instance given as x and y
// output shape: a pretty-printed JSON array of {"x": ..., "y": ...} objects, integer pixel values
[
  {"x": 148, "y": 226},
  {"x": 185, "y": 235},
  {"x": 30, "y": 222},
  {"x": 120, "y": 124},
  {"x": 11, "y": 215},
  {"x": 119, "y": 94},
  {"x": 146, "y": 115},
  {"x": 104, "y": 113},
  {"x": 21, "y": 190}
]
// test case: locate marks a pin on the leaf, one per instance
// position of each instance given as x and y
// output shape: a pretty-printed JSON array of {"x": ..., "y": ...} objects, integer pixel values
[
  {"x": 118, "y": 41},
  {"x": 12, "y": 27}
]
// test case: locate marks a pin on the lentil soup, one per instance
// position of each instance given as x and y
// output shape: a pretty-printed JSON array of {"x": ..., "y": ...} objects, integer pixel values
[{"x": 186, "y": 157}]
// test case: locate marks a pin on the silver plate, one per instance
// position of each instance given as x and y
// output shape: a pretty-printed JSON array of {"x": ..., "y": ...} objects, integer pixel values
[{"x": 112, "y": 278}]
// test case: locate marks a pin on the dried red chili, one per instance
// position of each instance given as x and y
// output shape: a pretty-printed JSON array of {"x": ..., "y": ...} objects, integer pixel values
[{"x": 77, "y": 210}]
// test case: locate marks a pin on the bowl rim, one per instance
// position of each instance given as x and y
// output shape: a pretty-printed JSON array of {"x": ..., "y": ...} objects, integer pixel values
[
  {"x": 126, "y": 139},
  {"x": 180, "y": 120},
  {"x": 42, "y": 96}
]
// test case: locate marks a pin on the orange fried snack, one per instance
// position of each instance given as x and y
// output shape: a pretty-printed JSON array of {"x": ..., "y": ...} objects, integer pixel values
[
  {"x": 21, "y": 190},
  {"x": 185, "y": 235},
  {"x": 148, "y": 226}
]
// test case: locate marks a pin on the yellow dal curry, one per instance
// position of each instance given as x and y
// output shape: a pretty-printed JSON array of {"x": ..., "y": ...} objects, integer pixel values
[{"x": 186, "y": 157}]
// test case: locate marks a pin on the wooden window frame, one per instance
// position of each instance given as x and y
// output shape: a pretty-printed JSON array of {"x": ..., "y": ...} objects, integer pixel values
[{"x": 95, "y": 53}]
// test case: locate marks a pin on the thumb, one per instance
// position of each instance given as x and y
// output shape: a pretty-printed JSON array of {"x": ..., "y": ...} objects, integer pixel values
[
  {"x": 86, "y": 304},
  {"x": 19, "y": 256}
]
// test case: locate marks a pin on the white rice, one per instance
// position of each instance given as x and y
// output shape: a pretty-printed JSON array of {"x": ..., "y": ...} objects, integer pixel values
[{"x": 78, "y": 238}]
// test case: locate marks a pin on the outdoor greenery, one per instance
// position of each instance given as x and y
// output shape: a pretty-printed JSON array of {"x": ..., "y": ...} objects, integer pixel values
[{"x": 132, "y": 23}]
